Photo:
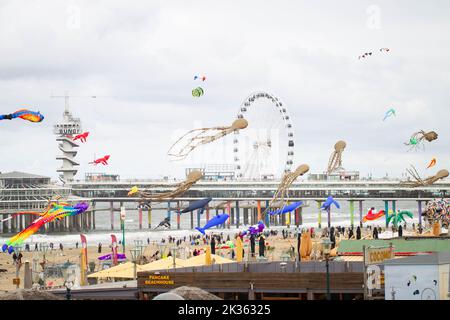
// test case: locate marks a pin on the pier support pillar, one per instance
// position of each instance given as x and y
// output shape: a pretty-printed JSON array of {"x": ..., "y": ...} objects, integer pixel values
[
  {"x": 319, "y": 218},
  {"x": 207, "y": 213},
  {"x": 217, "y": 213},
  {"x": 191, "y": 213},
  {"x": 245, "y": 216},
  {"x": 169, "y": 212},
  {"x": 198, "y": 218},
  {"x": 386, "y": 211},
  {"x": 178, "y": 216},
  {"x": 232, "y": 216},
  {"x": 259, "y": 210},
  {"x": 237, "y": 214},
  {"x": 360, "y": 212},
  {"x": 352, "y": 213},
  {"x": 267, "y": 217},
  {"x": 419, "y": 210},
  {"x": 329, "y": 217},
  {"x": 149, "y": 217},
  {"x": 288, "y": 218},
  {"x": 224, "y": 224},
  {"x": 140, "y": 217},
  {"x": 111, "y": 208},
  {"x": 229, "y": 214}
]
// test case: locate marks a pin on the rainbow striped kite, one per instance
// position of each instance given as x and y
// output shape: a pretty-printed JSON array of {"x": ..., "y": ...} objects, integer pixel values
[{"x": 23, "y": 114}]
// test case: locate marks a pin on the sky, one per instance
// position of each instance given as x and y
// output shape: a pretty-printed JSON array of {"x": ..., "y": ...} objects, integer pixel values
[{"x": 139, "y": 58}]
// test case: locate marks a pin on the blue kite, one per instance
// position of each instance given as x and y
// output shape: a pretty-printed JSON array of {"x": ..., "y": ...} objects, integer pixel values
[
  {"x": 288, "y": 208},
  {"x": 199, "y": 204},
  {"x": 390, "y": 112},
  {"x": 216, "y": 221},
  {"x": 327, "y": 204}
]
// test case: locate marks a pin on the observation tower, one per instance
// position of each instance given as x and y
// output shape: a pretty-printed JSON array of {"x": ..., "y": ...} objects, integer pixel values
[{"x": 63, "y": 130}]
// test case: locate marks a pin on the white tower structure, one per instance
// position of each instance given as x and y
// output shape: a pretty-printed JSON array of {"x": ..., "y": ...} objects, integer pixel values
[{"x": 67, "y": 127}]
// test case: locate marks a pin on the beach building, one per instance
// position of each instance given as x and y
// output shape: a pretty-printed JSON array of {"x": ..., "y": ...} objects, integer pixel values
[{"x": 421, "y": 277}]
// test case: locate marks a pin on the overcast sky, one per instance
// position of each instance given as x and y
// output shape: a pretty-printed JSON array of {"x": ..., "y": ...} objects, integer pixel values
[{"x": 140, "y": 57}]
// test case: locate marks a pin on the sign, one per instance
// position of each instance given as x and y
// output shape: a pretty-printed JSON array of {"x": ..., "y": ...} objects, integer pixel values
[
  {"x": 157, "y": 279},
  {"x": 123, "y": 213},
  {"x": 376, "y": 255}
]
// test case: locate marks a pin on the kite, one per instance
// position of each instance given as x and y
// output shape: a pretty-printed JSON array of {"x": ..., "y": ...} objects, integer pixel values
[
  {"x": 254, "y": 230},
  {"x": 418, "y": 137},
  {"x": 55, "y": 210},
  {"x": 197, "y": 92},
  {"x": 288, "y": 208},
  {"x": 438, "y": 210},
  {"x": 119, "y": 256},
  {"x": 283, "y": 189},
  {"x": 441, "y": 174},
  {"x": 82, "y": 137},
  {"x": 200, "y": 204},
  {"x": 203, "y": 78},
  {"x": 180, "y": 188},
  {"x": 327, "y": 204},
  {"x": 103, "y": 161},
  {"x": 164, "y": 223},
  {"x": 371, "y": 215},
  {"x": 216, "y": 221},
  {"x": 335, "y": 161},
  {"x": 23, "y": 114},
  {"x": 390, "y": 112},
  {"x": 397, "y": 217},
  {"x": 196, "y": 137},
  {"x": 367, "y": 54},
  {"x": 432, "y": 163}
]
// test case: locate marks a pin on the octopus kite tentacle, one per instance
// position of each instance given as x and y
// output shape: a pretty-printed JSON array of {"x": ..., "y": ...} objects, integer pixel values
[
  {"x": 282, "y": 192},
  {"x": 441, "y": 174},
  {"x": 418, "y": 138},
  {"x": 202, "y": 136},
  {"x": 335, "y": 161},
  {"x": 181, "y": 188}
]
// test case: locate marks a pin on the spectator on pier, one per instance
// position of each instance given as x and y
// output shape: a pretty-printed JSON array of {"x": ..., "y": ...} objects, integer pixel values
[{"x": 99, "y": 250}]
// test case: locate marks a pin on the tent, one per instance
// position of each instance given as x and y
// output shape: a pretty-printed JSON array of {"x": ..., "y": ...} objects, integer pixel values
[
  {"x": 200, "y": 260},
  {"x": 163, "y": 264},
  {"x": 123, "y": 270}
]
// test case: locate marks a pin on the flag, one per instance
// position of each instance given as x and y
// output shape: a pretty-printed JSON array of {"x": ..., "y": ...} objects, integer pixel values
[{"x": 114, "y": 249}]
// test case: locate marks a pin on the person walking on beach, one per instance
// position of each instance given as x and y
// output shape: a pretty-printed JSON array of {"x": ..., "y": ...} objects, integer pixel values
[
  {"x": 61, "y": 246},
  {"x": 400, "y": 231},
  {"x": 358, "y": 233},
  {"x": 213, "y": 245},
  {"x": 36, "y": 247},
  {"x": 252, "y": 245},
  {"x": 350, "y": 233},
  {"x": 262, "y": 246},
  {"x": 375, "y": 233},
  {"x": 99, "y": 250}
]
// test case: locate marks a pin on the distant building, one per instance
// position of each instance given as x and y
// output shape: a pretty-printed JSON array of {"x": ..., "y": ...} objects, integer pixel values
[
  {"x": 93, "y": 177},
  {"x": 335, "y": 176},
  {"x": 215, "y": 172}
]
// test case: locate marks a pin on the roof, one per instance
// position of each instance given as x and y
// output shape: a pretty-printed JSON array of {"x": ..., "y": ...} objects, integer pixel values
[
  {"x": 200, "y": 260},
  {"x": 422, "y": 259},
  {"x": 21, "y": 175},
  {"x": 123, "y": 270},
  {"x": 163, "y": 264}
]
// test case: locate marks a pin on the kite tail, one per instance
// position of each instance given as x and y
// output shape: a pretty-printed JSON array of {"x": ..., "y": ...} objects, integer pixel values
[
  {"x": 201, "y": 230},
  {"x": 6, "y": 116}
]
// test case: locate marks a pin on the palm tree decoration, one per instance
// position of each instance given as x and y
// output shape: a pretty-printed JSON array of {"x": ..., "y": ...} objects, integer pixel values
[{"x": 397, "y": 217}]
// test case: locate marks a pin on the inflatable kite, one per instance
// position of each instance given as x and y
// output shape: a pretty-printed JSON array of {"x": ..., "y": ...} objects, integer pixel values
[
  {"x": 419, "y": 182},
  {"x": 120, "y": 256},
  {"x": 55, "y": 210},
  {"x": 432, "y": 163},
  {"x": 288, "y": 208},
  {"x": 216, "y": 221},
  {"x": 23, "y": 114},
  {"x": 283, "y": 189},
  {"x": 203, "y": 78},
  {"x": 103, "y": 161},
  {"x": 397, "y": 217},
  {"x": 164, "y": 223},
  {"x": 335, "y": 161},
  {"x": 371, "y": 215},
  {"x": 418, "y": 138},
  {"x": 389, "y": 113},
  {"x": 82, "y": 137},
  {"x": 181, "y": 188},
  {"x": 254, "y": 230},
  {"x": 196, "y": 137},
  {"x": 200, "y": 204},
  {"x": 438, "y": 210},
  {"x": 330, "y": 201},
  {"x": 197, "y": 92}
]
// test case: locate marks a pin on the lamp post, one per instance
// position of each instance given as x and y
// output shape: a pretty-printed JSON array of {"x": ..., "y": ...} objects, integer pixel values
[
  {"x": 18, "y": 263},
  {"x": 135, "y": 253},
  {"x": 68, "y": 283},
  {"x": 326, "y": 245},
  {"x": 174, "y": 251}
]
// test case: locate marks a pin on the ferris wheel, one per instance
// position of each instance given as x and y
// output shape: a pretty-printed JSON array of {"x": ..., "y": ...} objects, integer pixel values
[{"x": 265, "y": 149}]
